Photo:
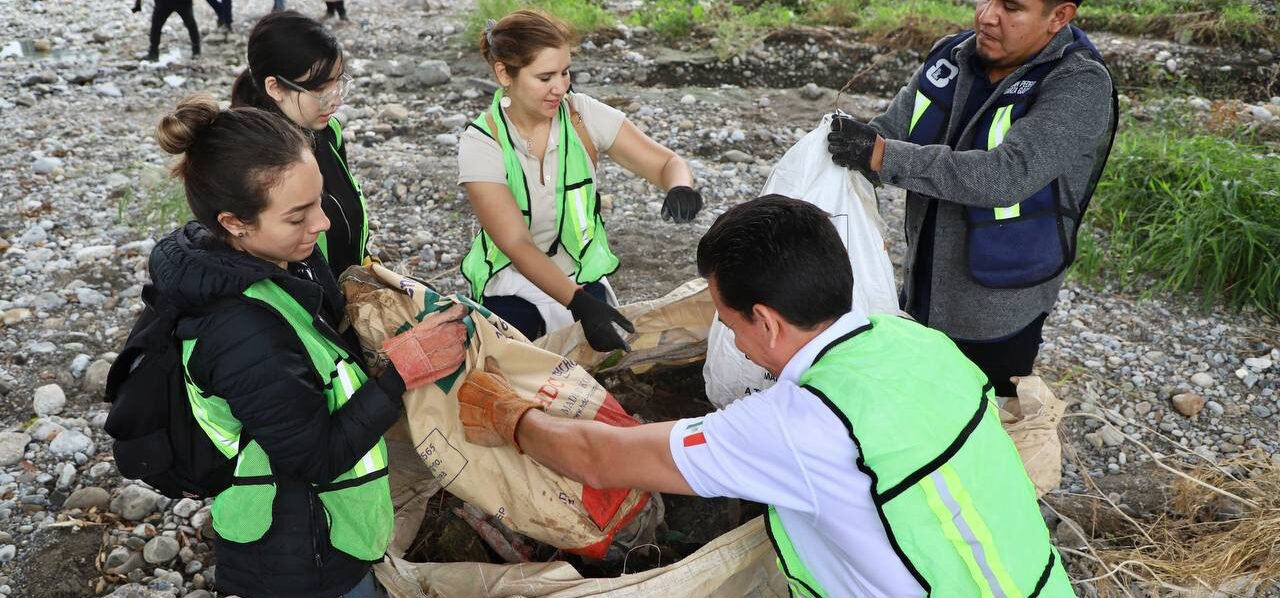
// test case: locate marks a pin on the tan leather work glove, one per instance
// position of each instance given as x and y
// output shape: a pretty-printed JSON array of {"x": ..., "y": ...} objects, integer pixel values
[
  {"x": 431, "y": 350},
  {"x": 490, "y": 409}
]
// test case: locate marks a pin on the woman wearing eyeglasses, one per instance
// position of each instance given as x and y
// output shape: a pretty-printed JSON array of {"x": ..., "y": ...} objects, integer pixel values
[{"x": 296, "y": 68}]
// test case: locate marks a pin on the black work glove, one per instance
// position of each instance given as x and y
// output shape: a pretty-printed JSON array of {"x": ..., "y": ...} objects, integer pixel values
[
  {"x": 137, "y": 6},
  {"x": 682, "y": 204},
  {"x": 851, "y": 144},
  {"x": 597, "y": 319}
]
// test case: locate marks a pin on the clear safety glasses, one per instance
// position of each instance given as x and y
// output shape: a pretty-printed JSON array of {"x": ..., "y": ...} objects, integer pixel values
[{"x": 336, "y": 91}]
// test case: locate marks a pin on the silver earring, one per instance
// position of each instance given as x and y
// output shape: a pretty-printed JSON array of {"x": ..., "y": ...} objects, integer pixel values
[
  {"x": 240, "y": 234},
  {"x": 505, "y": 102}
]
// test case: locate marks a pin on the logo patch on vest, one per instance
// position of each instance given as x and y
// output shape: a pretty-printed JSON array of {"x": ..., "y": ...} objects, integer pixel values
[
  {"x": 941, "y": 73},
  {"x": 1020, "y": 88},
  {"x": 693, "y": 435}
]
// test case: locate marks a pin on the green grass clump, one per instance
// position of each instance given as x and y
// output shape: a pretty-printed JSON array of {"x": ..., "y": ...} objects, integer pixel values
[
  {"x": 157, "y": 204},
  {"x": 1196, "y": 211},
  {"x": 1239, "y": 22},
  {"x": 583, "y": 16},
  {"x": 917, "y": 23}
]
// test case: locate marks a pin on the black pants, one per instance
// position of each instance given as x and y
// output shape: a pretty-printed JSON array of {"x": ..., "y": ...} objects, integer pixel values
[
  {"x": 524, "y": 315},
  {"x": 161, "y": 13},
  {"x": 222, "y": 8},
  {"x": 1011, "y": 356}
]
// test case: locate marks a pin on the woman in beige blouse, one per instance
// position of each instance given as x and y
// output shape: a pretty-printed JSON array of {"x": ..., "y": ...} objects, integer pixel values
[{"x": 529, "y": 166}]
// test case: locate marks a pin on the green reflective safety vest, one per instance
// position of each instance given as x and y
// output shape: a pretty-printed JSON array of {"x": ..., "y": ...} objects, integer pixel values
[
  {"x": 581, "y": 228},
  {"x": 946, "y": 480},
  {"x": 358, "y": 502},
  {"x": 323, "y": 240}
]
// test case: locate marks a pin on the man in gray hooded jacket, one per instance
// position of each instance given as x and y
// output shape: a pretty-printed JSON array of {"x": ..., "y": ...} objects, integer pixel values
[{"x": 999, "y": 139}]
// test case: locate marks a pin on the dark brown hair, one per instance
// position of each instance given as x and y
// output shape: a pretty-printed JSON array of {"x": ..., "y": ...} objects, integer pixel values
[
  {"x": 516, "y": 39},
  {"x": 290, "y": 45},
  {"x": 230, "y": 159}
]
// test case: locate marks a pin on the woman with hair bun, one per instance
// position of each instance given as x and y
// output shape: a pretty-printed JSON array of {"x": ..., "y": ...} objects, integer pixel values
[
  {"x": 530, "y": 167},
  {"x": 270, "y": 381},
  {"x": 297, "y": 70}
]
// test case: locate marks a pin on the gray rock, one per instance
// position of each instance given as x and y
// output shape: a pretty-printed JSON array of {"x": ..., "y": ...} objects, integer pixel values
[
  {"x": 186, "y": 507},
  {"x": 117, "y": 557},
  {"x": 67, "y": 477},
  {"x": 736, "y": 156},
  {"x": 394, "y": 113},
  {"x": 1202, "y": 379},
  {"x": 135, "y": 503},
  {"x": 198, "y": 594},
  {"x": 44, "y": 430},
  {"x": 202, "y": 519},
  {"x": 1260, "y": 411},
  {"x": 100, "y": 469},
  {"x": 71, "y": 442},
  {"x": 34, "y": 234},
  {"x": 95, "y": 252},
  {"x": 448, "y": 139},
  {"x": 95, "y": 378},
  {"x": 430, "y": 73},
  {"x": 89, "y": 297},
  {"x": 136, "y": 590},
  {"x": 160, "y": 549},
  {"x": 1215, "y": 408},
  {"x": 88, "y": 498},
  {"x": 7, "y": 552},
  {"x": 46, "y": 165},
  {"x": 811, "y": 91},
  {"x": 454, "y": 121},
  {"x": 43, "y": 78},
  {"x": 1260, "y": 114},
  {"x": 79, "y": 365},
  {"x": 688, "y": 99},
  {"x": 49, "y": 400},
  {"x": 13, "y": 445},
  {"x": 84, "y": 76}
]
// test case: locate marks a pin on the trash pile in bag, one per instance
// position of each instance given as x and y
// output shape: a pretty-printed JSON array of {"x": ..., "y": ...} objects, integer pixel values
[{"x": 481, "y": 521}]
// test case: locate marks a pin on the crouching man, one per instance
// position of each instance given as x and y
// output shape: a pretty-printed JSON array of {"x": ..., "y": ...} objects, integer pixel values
[{"x": 879, "y": 450}]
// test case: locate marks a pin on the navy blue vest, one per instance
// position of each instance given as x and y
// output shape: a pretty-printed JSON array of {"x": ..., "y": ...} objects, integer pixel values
[{"x": 1026, "y": 244}]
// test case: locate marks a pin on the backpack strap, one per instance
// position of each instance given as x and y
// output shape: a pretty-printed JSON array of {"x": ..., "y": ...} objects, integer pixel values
[{"x": 576, "y": 119}]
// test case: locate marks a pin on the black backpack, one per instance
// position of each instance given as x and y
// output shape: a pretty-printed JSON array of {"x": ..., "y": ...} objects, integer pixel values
[{"x": 157, "y": 439}]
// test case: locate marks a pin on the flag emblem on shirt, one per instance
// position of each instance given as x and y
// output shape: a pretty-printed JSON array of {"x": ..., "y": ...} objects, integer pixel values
[{"x": 693, "y": 435}]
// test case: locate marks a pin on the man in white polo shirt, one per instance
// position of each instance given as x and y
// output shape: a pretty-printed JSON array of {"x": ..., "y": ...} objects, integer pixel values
[{"x": 879, "y": 450}]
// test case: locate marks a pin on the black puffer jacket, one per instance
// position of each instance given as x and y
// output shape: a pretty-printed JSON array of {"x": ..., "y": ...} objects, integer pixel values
[
  {"x": 342, "y": 203},
  {"x": 247, "y": 354}
]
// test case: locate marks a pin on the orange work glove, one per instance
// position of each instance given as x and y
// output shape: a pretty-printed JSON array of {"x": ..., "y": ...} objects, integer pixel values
[
  {"x": 431, "y": 350},
  {"x": 490, "y": 409}
]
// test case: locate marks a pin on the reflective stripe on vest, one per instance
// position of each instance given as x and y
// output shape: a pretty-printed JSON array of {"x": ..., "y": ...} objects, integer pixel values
[
  {"x": 358, "y": 502},
  {"x": 948, "y": 484},
  {"x": 323, "y": 240},
  {"x": 1026, "y": 243},
  {"x": 581, "y": 230}
]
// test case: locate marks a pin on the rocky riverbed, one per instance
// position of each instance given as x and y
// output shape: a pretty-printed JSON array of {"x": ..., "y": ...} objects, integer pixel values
[{"x": 86, "y": 195}]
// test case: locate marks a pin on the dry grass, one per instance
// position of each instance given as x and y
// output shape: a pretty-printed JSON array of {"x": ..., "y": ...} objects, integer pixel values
[{"x": 1218, "y": 531}]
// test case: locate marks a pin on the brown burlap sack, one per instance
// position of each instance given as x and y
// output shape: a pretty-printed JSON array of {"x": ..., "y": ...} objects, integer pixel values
[
  {"x": 1031, "y": 419},
  {"x": 524, "y": 495}
]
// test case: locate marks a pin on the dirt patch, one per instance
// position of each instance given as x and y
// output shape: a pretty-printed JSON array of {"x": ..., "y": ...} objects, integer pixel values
[
  {"x": 830, "y": 57},
  {"x": 58, "y": 565}
]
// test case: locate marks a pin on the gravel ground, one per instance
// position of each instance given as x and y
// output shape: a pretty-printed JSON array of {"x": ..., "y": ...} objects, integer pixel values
[{"x": 86, "y": 179}]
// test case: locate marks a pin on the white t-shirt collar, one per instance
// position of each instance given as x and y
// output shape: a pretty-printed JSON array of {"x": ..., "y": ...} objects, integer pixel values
[{"x": 803, "y": 359}]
